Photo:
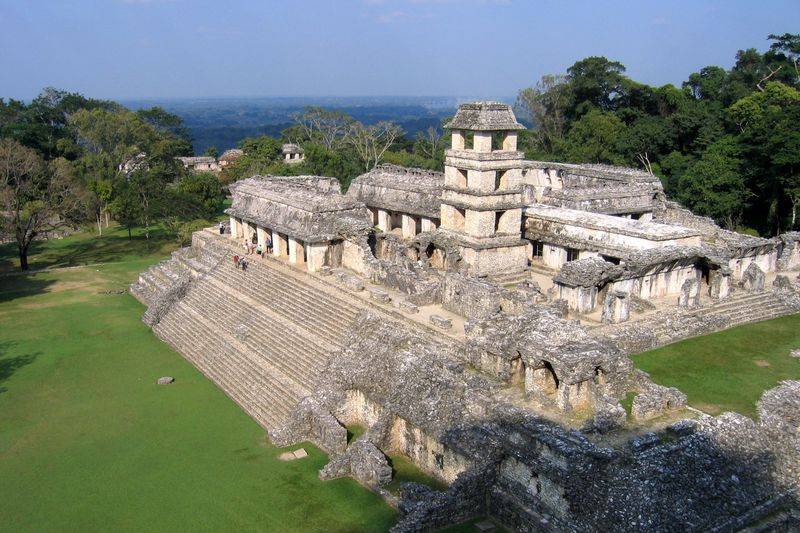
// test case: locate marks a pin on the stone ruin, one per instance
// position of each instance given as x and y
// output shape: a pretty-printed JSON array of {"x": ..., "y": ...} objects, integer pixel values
[{"x": 478, "y": 321}]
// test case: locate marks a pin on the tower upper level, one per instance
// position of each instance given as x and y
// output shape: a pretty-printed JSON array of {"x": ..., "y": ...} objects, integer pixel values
[{"x": 484, "y": 127}]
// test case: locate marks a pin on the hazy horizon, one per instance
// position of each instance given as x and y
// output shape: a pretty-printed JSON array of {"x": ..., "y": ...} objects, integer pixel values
[{"x": 190, "y": 49}]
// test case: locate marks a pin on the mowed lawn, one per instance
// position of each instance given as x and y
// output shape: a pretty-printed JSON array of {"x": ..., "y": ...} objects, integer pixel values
[
  {"x": 88, "y": 442},
  {"x": 728, "y": 370}
]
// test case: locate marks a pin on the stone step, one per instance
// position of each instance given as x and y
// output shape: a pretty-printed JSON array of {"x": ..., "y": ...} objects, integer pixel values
[
  {"x": 264, "y": 397},
  {"x": 299, "y": 358},
  {"x": 304, "y": 307}
]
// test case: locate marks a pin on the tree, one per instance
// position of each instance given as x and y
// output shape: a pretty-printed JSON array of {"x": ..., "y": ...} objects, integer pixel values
[
  {"x": 329, "y": 127},
  {"x": 203, "y": 192},
  {"x": 769, "y": 134},
  {"x": 371, "y": 142},
  {"x": 715, "y": 185},
  {"x": 595, "y": 82},
  {"x": 545, "y": 104},
  {"x": 126, "y": 207},
  {"x": 36, "y": 196},
  {"x": 429, "y": 143},
  {"x": 593, "y": 138},
  {"x": 211, "y": 151}
]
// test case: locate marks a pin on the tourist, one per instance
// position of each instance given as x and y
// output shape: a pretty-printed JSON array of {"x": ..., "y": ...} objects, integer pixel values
[
  {"x": 221, "y": 228},
  {"x": 268, "y": 244},
  {"x": 243, "y": 263},
  {"x": 246, "y": 246},
  {"x": 259, "y": 249},
  {"x": 235, "y": 261}
]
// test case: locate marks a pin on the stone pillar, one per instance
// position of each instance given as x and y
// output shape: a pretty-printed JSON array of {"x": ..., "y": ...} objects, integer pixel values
[
  {"x": 554, "y": 256},
  {"x": 279, "y": 245},
  {"x": 409, "y": 226},
  {"x": 753, "y": 278},
  {"x": 646, "y": 217},
  {"x": 482, "y": 141},
  {"x": 616, "y": 307},
  {"x": 234, "y": 228},
  {"x": 428, "y": 224},
  {"x": 316, "y": 255},
  {"x": 296, "y": 250},
  {"x": 690, "y": 293},
  {"x": 261, "y": 236},
  {"x": 719, "y": 285},
  {"x": 510, "y": 141},
  {"x": 247, "y": 231},
  {"x": 384, "y": 220},
  {"x": 458, "y": 139}
]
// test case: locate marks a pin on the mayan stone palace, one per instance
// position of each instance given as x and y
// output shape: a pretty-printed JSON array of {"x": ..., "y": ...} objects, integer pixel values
[{"x": 479, "y": 321}]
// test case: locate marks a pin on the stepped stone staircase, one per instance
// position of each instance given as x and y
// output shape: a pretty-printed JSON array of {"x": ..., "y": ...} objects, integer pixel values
[
  {"x": 263, "y": 336},
  {"x": 740, "y": 308}
]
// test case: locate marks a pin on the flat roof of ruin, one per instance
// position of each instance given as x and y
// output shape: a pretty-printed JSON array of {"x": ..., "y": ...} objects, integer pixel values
[
  {"x": 484, "y": 116},
  {"x": 198, "y": 159},
  {"x": 291, "y": 149},
  {"x": 395, "y": 188},
  {"x": 310, "y": 193},
  {"x": 594, "y": 170},
  {"x": 634, "y": 228}
]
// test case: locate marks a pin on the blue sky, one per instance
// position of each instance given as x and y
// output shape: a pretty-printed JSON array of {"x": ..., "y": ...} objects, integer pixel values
[{"x": 197, "y": 48}]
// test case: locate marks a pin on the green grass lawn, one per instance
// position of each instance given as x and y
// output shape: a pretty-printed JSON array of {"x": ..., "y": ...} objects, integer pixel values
[
  {"x": 728, "y": 370},
  {"x": 88, "y": 442}
]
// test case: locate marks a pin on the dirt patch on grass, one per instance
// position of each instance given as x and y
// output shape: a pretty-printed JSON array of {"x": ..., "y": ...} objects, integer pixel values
[
  {"x": 710, "y": 408},
  {"x": 761, "y": 363}
]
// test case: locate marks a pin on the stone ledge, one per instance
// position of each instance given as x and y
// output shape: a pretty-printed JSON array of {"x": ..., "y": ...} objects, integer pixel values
[
  {"x": 408, "y": 307},
  {"x": 441, "y": 322},
  {"x": 379, "y": 295}
]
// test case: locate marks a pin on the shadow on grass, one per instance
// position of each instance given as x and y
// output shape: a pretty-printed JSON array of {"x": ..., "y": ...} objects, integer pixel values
[
  {"x": 10, "y": 365},
  {"x": 12, "y": 287},
  {"x": 85, "y": 248}
]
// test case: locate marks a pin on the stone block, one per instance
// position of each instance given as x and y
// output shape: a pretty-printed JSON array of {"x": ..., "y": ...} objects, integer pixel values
[
  {"x": 379, "y": 295},
  {"x": 485, "y": 525},
  {"x": 300, "y": 454},
  {"x": 754, "y": 278},
  {"x": 441, "y": 322},
  {"x": 352, "y": 283},
  {"x": 408, "y": 307},
  {"x": 656, "y": 401},
  {"x": 165, "y": 380},
  {"x": 287, "y": 456}
]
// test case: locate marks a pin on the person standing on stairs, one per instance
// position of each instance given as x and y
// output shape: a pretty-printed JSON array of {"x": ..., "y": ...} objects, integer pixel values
[
  {"x": 222, "y": 228},
  {"x": 243, "y": 263},
  {"x": 236, "y": 261},
  {"x": 267, "y": 244},
  {"x": 259, "y": 249}
]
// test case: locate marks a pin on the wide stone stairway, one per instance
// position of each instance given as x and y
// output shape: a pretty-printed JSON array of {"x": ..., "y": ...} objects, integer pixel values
[
  {"x": 262, "y": 335},
  {"x": 741, "y": 307}
]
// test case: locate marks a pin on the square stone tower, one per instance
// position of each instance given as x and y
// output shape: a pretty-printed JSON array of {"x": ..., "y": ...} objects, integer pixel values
[{"x": 482, "y": 197}]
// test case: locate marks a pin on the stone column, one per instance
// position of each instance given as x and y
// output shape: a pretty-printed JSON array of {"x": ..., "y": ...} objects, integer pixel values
[
  {"x": 296, "y": 250},
  {"x": 247, "y": 230},
  {"x": 384, "y": 220},
  {"x": 409, "y": 226},
  {"x": 428, "y": 224},
  {"x": 316, "y": 255},
  {"x": 279, "y": 245},
  {"x": 646, "y": 217},
  {"x": 261, "y": 235},
  {"x": 234, "y": 229},
  {"x": 554, "y": 256}
]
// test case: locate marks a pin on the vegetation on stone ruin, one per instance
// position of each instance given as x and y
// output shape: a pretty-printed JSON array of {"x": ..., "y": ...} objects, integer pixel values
[
  {"x": 726, "y": 144},
  {"x": 92, "y": 443}
]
